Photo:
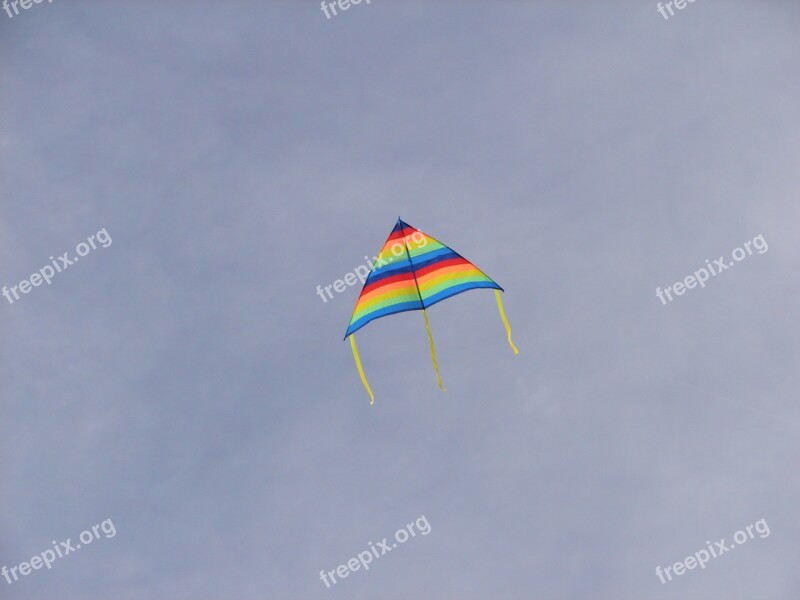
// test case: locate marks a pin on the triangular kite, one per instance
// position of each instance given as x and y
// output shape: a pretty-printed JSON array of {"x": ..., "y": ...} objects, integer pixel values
[{"x": 414, "y": 271}]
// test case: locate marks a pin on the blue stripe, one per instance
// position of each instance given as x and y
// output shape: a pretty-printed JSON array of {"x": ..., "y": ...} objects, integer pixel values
[
  {"x": 464, "y": 287},
  {"x": 424, "y": 260},
  {"x": 382, "y": 312},
  {"x": 395, "y": 268}
]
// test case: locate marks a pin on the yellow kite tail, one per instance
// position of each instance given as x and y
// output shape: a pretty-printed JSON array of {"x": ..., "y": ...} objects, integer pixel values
[
  {"x": 360, "y": 369},
  {"x": 433, "y": 351},
  {"x": 505, "y": 321}
]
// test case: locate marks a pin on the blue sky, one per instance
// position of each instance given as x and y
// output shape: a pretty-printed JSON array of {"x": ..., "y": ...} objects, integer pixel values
[{"x": 188, "y": 383}]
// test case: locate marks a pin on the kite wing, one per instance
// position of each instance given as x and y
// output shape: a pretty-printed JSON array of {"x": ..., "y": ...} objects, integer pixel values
[{"x": 412, "y": 272}]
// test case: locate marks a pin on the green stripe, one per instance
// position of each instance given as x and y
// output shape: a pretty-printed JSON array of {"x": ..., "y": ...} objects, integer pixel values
[
  {"x": 423, "y": 250},
  {"x": 396, "y": 298},
  {"x": 458, "y": 280}
]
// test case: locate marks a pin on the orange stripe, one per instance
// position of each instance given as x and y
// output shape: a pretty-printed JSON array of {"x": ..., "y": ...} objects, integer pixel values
[
  {"x": 369, "y": 301},
  {"x": 397, "y": 286}
]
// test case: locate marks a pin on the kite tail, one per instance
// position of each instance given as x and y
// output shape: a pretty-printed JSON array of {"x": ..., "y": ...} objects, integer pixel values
[
  {"x": 505, "y": 321},
  {"x": 433, "y": 351},
  {"x": 360, "y": 369}
]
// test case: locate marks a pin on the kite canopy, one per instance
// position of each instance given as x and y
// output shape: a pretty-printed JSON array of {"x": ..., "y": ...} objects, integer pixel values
[{"x": 412, "y": 272}]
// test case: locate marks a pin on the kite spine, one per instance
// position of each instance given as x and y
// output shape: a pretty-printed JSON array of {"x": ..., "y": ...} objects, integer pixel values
[{"x": 424, "y": 312}]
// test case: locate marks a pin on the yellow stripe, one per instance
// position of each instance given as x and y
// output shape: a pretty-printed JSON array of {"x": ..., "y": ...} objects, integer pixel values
[
  {"x": 433, "y": 351},
  {"x": 360, "y": 369},
  {"x": 431, "y": 286},
  {"x": 505, "y": 321},
  {"x": 417, "y": 250},
  {"x": 384, "y": 300}
]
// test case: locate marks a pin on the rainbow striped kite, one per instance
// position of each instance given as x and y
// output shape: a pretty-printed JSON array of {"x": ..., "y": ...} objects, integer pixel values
[{"x": 412, "y": 272}]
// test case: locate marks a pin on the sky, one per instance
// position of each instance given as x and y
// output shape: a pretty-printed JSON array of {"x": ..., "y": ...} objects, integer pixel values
[{"x": 186, "y": 383}]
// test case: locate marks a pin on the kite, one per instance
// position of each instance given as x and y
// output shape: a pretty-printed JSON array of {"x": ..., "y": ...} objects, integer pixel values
[{"x": 414, "y": 271}]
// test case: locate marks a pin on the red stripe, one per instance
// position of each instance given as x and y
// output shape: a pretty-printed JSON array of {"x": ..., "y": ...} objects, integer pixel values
[
  {"x": 388, "y": 280},
  {"x": 450, "y": 262},
  {"x": 395, "y": 235},
  {"x": 400, "y": 234}
]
